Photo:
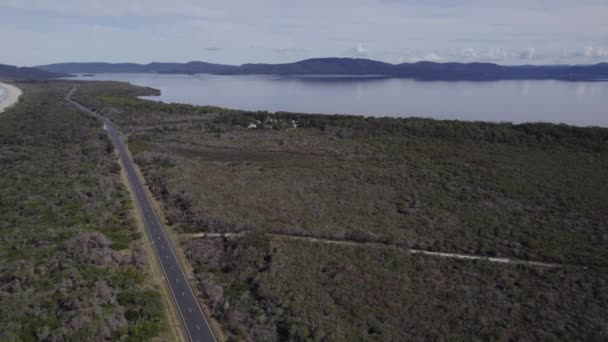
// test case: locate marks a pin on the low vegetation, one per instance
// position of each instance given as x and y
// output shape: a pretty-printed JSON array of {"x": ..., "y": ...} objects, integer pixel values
[
  {"x": 268, "y": 288},
  {"x": 71, "y": 263},
  {"x": 532, "y": 191}
]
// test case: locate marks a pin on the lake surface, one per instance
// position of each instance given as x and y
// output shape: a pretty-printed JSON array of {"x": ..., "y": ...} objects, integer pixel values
[{"x": 574, "y": 103}]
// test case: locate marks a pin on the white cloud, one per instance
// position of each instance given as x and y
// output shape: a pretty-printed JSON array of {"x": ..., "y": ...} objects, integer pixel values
[
  {"x": 405, "y": 30},
  {"x": 595, "y": 52},
  {"x": 528, "y": 54},
  {"x": 585, "y": 54},
  {"x": 483, "y": 55},
  {"x": 433, "y": 57},
  {"x": 469, "y": 53},
  {"x": 413, "y": 58},
  {"x": 359, "y": 50}
]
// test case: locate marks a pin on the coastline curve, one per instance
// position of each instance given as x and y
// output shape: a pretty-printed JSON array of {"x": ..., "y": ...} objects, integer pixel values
[{"x": 9, "y": 96}]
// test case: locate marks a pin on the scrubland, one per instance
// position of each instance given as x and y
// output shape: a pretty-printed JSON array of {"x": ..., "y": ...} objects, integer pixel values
[
  {"x": 530, "y": 191},
  {"x": 72, "y": 267}
]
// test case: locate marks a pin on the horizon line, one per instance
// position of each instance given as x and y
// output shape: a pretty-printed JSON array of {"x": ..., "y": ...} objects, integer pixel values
[{"x": 314, "y": 58}]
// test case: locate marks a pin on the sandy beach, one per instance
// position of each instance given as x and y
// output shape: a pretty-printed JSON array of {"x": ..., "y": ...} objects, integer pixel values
[{"x": 8, "y": 96}]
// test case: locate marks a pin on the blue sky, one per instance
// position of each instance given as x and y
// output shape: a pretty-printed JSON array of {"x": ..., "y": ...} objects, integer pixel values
[{"x": 229, "y": 31}]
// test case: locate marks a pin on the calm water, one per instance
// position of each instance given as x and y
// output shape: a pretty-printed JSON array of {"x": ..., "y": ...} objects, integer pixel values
[{"x": 575, "y": 103}]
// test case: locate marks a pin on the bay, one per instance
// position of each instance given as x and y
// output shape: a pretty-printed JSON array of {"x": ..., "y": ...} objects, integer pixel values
[{"x": 517, "y": 101}]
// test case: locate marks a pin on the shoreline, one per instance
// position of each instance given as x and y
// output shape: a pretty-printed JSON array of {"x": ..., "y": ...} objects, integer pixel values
[
  {"x": 10, "y": 97},
  {"x": 516, "y": 102}
]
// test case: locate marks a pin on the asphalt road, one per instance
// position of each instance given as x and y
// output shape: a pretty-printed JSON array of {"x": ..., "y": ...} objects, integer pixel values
[{"x": 191, "y": 313}]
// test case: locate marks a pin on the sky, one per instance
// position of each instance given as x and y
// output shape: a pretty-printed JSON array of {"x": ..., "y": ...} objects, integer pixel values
[{"x": 35, "y": 32}]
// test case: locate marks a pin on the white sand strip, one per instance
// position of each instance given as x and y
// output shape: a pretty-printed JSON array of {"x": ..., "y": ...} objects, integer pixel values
[
  {"x": 374, "y": 244},
  {"x": 8, "y": 96}
]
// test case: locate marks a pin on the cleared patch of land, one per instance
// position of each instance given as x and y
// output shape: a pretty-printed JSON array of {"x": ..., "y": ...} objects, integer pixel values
[
  {"x": 529, "y": 192},
  {"x": 381, "y": 245},
  {"x": 9, "y": 97}
]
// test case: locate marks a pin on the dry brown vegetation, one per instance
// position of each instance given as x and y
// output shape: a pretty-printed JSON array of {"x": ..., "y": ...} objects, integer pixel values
[{"x": 532, "y": 191}]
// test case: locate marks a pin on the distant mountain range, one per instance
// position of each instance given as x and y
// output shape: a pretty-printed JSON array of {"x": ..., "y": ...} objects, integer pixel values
[
  {"x": 13, "y": 73},
  {"x": 354, "y": 66},
  {"x": 159, "y": 68}
]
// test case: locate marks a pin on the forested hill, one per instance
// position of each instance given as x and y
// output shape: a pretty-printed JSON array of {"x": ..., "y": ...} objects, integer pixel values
[
  {"x": 13, "y": 72},
  {"x": 355, "y": 66},
  {"x": 426, "y": 70},
  {"x": 320, "y": 66},
  {"x": 489, "y": 71},
  {"x": 161, "y": 68}
]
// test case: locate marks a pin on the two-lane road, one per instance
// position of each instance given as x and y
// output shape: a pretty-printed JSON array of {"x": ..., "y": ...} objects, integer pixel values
[{"x": 192, "y": 315}]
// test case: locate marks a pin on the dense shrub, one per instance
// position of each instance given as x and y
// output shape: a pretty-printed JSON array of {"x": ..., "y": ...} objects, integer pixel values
[{"x": 66, "y": 252}]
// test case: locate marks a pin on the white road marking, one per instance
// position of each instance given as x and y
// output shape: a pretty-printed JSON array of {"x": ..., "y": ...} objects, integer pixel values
[
  {"x": 182, "y": 293},
  {"x": 198, "y": 328},
  {"x": 190, "y": 309}
]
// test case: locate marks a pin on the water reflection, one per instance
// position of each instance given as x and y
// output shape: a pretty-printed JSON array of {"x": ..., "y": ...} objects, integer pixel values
[
  {"x": 585, "y": 90},
  {"x": 576, "y": 103},
  {"x": 525, "y": 88}
]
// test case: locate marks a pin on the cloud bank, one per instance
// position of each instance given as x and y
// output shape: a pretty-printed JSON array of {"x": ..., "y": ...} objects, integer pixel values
[{"x": 507, "y": 32}]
